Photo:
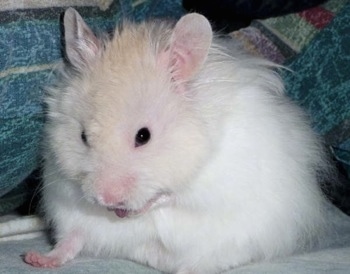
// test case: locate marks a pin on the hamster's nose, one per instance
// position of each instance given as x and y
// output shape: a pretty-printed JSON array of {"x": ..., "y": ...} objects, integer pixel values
[
  {"x": 111, "y": 190},
  {"x": 110, "y": 200}
]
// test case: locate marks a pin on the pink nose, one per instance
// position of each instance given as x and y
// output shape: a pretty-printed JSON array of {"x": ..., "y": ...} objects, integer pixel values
[
  {"x": 108, "y": 198},
  {"x": 112, "y": 193}
]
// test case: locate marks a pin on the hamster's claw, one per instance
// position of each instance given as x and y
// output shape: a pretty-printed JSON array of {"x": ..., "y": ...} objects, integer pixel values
[{"x": 38, "y": 260}]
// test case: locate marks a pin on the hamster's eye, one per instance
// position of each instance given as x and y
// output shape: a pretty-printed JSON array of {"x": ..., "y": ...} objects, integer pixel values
[
  {"x": 142, "y": 137},
  {"x": 84, "y": 138}
]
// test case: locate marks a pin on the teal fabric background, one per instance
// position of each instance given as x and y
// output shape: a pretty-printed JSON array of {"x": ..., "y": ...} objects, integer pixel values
[{"x": 321, "y": 84}]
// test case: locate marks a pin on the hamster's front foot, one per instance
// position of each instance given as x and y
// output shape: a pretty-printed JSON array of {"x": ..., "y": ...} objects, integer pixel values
[
  {"x": 64, "y": 251},
  {"x": 38, "y": 260}
]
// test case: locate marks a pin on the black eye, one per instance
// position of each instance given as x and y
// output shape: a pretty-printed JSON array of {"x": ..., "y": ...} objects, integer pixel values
[
  {"x": 142, "y": 137},
  {"x": 84, "y": 138}
]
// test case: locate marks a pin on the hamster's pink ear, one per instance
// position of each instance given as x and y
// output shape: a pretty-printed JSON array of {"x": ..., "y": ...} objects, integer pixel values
[
  {"x": 189, "y": 45},
  {"x": 81, "y": 44}
]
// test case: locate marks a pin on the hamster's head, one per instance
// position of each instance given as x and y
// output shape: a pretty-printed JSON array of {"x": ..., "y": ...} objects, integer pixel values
[{"x": 125, "y": 127}]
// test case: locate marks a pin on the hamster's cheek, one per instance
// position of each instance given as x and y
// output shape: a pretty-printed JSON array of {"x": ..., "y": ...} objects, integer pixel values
[{"x": 65, "y": 147}]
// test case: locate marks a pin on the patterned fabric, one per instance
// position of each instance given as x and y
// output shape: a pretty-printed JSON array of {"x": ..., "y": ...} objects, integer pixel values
[
  {"x": 321, "y": 84},
  {"x": 280, "y": 38},
  {"x": 30, "y": 47}
]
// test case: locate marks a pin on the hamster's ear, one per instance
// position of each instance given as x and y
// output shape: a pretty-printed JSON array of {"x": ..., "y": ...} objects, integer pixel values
[
  {"x": 189, "y": 45},
  {"x": 81, "y": 44}
]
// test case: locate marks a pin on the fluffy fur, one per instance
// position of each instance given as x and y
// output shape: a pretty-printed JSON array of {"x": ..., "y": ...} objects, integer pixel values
[{"x": 228, "y": 177}]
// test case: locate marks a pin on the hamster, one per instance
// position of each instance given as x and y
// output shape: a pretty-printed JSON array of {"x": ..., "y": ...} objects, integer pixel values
[{"x": 166, "y": 147}]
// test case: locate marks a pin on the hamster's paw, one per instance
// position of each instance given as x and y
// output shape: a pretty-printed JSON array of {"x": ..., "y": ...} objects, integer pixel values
[
  {"x": 38, "y": 260},
  {"x": 65, "y": 250}
]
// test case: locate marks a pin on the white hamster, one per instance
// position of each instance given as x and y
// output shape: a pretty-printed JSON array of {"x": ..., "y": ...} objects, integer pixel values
[{"x": 165, "y": 147}]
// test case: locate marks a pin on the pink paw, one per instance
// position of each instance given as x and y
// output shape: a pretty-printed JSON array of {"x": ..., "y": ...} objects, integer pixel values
[{"x": 37, "y": 260}]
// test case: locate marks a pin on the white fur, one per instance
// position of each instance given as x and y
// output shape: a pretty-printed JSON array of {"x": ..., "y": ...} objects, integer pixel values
[{"x": 236, "y": 157}]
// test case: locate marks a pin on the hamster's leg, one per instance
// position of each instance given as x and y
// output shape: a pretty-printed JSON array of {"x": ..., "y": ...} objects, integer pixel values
[{"x": 65, "y": 250}]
